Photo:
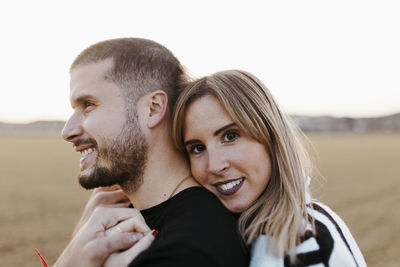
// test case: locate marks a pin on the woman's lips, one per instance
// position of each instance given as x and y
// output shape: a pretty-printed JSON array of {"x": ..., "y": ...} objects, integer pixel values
[{"x": 229, "y": 187}]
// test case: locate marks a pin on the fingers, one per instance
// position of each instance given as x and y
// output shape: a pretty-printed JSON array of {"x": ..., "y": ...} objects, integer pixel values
[
  {"x": 140, "y": 246},
  {"x": 134, "y": 224},
  {"x": 92, "y": 244},
  {"x": 99, "y": 249},
  {"x": 120, "y": 205},
  {"x": 105, "y": 198},
  {"x": 108, "y": 188},
  {"x": 144, "y": 243},
  {"x": 126, "y": 257},
  {"x": 106, "y": 218}
]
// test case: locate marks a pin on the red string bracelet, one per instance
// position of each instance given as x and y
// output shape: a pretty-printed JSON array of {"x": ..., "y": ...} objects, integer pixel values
[{"x": 41, "y": 258}]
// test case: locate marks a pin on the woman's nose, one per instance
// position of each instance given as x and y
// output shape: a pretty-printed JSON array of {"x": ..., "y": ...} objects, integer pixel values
[{"x": 218, "y": 161}]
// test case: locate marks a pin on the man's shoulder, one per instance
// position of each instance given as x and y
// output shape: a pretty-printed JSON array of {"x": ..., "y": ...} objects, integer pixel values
[
  {"x": 197, "y": 229},
  {"x": 197, "y": 195},
  {"x": 200, "y": 222},
  {"x": 199, "y": 204}
]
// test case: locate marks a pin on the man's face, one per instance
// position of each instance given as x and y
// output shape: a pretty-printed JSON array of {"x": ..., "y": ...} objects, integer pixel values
[{"x": 112, "y": 145}]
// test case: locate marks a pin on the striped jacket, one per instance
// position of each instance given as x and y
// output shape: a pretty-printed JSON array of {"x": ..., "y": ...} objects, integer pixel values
[{"x": 331, "y": 246}]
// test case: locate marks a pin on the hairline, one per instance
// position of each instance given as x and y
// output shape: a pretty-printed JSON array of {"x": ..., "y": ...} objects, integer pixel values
[{"x": 110, "y": 76}]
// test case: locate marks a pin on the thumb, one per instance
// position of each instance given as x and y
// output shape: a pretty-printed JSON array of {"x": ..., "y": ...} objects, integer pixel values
[
  {"x": 145, "y": 242},
  {"x": 126, "y": 257},
  {"x": 100, "y": 249}
]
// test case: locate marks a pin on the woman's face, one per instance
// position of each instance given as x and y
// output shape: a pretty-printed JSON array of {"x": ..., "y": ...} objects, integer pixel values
[{"x": 231, "y": 165}]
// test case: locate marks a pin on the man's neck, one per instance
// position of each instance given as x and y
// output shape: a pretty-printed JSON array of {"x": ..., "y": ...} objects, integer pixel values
[{"x": 163, "y": 173}]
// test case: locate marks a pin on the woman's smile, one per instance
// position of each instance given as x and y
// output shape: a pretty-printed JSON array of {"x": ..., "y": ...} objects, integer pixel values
[
  {"x": 229, "y": 187},
  {"x": 235, "y": 167}
]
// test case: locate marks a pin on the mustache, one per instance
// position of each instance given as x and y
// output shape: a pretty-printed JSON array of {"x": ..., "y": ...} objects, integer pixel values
[{"x": 85, "y": 142}]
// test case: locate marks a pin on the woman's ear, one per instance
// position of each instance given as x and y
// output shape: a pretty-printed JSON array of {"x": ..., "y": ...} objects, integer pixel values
[{"x": 158, "y": 108}]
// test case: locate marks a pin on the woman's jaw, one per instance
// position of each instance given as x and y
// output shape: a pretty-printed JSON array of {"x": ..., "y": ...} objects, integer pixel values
[{"x": 233, "y": 166}]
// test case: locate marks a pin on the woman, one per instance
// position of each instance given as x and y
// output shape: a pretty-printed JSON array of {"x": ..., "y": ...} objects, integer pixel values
[{"x": 246, "y": 151}]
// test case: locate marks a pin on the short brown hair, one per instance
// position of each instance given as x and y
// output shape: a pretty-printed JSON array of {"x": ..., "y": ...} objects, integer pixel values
[{"x": 140, "y": 66}]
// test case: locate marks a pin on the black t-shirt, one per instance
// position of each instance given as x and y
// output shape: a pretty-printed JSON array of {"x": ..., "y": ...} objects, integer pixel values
[{"x": 195, "y": 230}]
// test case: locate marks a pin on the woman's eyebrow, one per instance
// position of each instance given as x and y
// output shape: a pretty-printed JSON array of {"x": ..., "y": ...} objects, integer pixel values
[
  {"x": 224, "y": 128},
  {"x": 193, "y": 141}
]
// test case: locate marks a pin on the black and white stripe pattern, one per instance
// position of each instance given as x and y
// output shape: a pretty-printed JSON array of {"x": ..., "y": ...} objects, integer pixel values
[{"x": 331, "y": 246}]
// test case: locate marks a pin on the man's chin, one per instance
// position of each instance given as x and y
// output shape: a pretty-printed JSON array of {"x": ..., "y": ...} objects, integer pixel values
[
  {"x": 86, "y": 179},
  {"x": 88, "y": 182},
  {"x": 98, "y": 177}
]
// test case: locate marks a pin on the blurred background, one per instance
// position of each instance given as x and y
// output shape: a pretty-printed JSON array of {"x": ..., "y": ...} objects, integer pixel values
[{"x": 332, "y": 65}]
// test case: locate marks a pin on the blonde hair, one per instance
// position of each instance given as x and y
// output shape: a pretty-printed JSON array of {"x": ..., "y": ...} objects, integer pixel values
[{"x": 280, "y": 210}]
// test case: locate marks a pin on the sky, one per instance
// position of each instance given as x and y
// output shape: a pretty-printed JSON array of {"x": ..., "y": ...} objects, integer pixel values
[{"x": 317, "y": 57}]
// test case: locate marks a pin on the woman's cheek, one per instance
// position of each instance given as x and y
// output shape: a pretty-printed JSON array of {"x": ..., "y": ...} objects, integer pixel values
[{"x": 197, "y": 170}]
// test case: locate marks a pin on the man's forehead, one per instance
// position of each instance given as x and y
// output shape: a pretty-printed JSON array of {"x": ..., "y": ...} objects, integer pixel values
[
  {"x": 88, "y": 77},
  {"x": 91, "y": 71}
]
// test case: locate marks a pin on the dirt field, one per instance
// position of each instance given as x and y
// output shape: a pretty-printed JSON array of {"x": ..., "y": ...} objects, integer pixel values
[{"x": 41, "y": 200}]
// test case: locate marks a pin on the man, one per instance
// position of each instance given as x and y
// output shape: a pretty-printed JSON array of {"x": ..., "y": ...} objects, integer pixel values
[{"x": 122, "y": 93}]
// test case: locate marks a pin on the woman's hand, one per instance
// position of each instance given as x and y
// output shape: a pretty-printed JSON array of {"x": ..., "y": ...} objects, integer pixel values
[
  {"x": 107, "y": 231},
  {"x": 111, "y": 197},
  {"x": 125, "y": 257},
  {"x": 107, "y": 227}
]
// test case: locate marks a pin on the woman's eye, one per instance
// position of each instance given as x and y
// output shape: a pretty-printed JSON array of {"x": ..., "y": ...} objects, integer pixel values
[
  {"x": 196, "y": 149},
  {"x": 230, "y": 136}
]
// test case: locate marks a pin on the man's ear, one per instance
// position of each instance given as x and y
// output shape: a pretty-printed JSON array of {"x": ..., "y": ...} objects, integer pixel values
[{"x": 158, "y": 108}]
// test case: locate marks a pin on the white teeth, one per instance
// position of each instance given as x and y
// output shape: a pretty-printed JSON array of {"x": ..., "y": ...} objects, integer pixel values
[
  {"x": 230, "y": 185},
  {"x": 86, "y": 152}
]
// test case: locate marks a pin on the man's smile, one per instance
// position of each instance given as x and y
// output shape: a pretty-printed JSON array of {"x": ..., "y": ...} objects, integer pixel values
[{"x": 86, "y": 151}]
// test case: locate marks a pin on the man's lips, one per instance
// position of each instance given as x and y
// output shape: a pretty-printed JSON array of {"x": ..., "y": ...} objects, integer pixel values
[
  {"x": 86, "y": 150},
  {"x": 86, "y": 153},
  {"x": 81, "y": 148},
  {"x": 229, "y": 187}
]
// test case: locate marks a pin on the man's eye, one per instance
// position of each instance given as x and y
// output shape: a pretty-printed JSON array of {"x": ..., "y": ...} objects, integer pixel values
[
  {"x": 88, "y": 104},
  {"x": 196, "y": 149},
  {"x": 230, "y": 136}
]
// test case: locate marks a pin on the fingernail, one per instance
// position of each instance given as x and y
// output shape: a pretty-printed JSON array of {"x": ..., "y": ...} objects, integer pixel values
[
  {"x": 136, "y": 237},
  {"x": 156, "y": 232}
]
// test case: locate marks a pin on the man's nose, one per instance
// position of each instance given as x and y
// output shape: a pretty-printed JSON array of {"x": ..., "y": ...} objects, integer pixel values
[
  {"x": 218, "y": 161},
  {"x": 72, "y": 128}
]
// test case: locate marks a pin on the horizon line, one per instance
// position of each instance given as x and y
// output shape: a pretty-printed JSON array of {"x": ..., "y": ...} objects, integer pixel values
[{"x": 29, "y": 121}]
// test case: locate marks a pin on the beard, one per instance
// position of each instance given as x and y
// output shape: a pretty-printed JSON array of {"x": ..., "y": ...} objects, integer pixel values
[{"x": 121, "y": 160}]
